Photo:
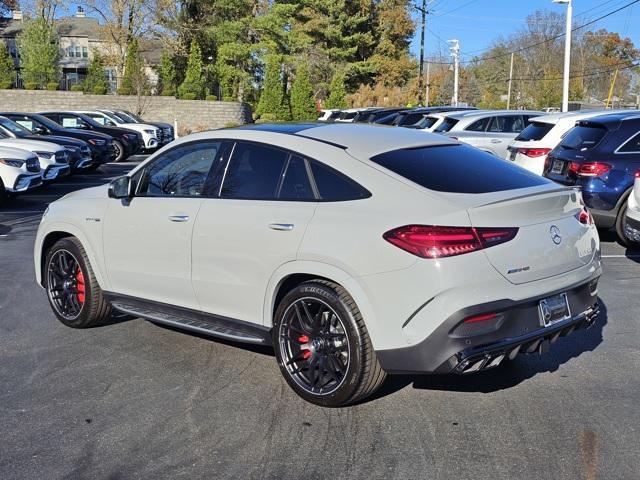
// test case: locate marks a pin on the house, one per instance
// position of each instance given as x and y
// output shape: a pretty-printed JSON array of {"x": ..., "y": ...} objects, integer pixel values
[{"x": 79, "y": 37}]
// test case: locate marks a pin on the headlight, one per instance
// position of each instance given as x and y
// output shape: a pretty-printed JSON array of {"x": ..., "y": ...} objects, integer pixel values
[
  {"x": 11, "y": 162},
  {"x": 47, "y": 155},
  {"x": 71, "y": 148},
  {"x": 96, "y": 141},
  {"x": 150, "y": 132}
]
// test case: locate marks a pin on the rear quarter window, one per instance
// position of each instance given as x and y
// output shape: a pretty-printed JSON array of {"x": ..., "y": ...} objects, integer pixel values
[
  {"x": 446, "y": 125},
  {"x": 457, "y": 169},
  {"x": 535, "y": 131}
]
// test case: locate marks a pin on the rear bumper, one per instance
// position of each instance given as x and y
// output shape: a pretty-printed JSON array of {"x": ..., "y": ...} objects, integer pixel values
[{"x": 454, "y": 347}]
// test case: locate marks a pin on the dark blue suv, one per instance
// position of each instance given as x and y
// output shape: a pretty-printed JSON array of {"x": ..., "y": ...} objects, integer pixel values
[{"x": 601, "y": 155}]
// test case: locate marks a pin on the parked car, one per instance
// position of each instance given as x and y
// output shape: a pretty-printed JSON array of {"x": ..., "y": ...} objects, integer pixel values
[
  {"x": 600, "y": 155},
  {"x": 78, "y": 151},
  {"x": 53, "y": 158},
  {"x": 374, "y": 114},
  {"x": 412, "y": 117},
  {"x": 150, "y": 134},
  {"x": 531, "y": 147},
  {"x": 632, "y": 215},
  {"x": 329, "y": 114},
  {"x": 101, "y": 145},
  {"x": 470, "y": 260},
  {"x": 348, "y": 115},
  {"x": 19, "y": 171},
  {"x": 126, "y": 142},
  {"x": 167, "y": 135},
  {"x": 490, "y": 131},
  {"x": 432, "y": 121}
]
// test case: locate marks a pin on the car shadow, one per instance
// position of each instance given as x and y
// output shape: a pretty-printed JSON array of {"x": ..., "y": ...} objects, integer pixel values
[{"x": 508, "y": 374}]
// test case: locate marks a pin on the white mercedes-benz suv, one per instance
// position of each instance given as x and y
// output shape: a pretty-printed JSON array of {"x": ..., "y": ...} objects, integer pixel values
[
  {"x": 355, "y": 250},
  {"x": 19, "y": 171}
]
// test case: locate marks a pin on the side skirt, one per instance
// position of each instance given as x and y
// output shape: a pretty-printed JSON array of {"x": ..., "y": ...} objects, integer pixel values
[{"x": 193, "y": 320}]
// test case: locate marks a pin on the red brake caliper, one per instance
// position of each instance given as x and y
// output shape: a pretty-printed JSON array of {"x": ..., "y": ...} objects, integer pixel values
[
  {"x": 80, "y": 281},
  {"x": 305, "y": 353}
]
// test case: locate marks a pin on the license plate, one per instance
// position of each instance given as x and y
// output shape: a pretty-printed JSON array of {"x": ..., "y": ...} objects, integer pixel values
[
  {"x": 554, "y": 309},
  {"x": 558, "y": 166}
]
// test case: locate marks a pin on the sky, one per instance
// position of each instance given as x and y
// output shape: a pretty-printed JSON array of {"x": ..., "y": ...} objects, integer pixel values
[{"x": 477, "y": 23}]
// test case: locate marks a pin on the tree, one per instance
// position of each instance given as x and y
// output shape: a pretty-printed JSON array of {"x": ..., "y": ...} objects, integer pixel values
[
  {"x": 96, "y": 81},
  {"x": 303, "y": 104},
  {"x": 193, "y": 84},
  {"x": 39, "y": 51},
  {"x": 337, "y": 92},
  {"x": 7, "y": 67},
  {"x": 273, "y": 102},
  {"x": 134, "y": 81},
  {"x": 167, "y": 77}
]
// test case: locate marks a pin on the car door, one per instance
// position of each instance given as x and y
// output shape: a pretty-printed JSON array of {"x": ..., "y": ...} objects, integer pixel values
[
  {"x": 501, "y": 132},
  {"x": 147, "y": 239},
  {"x": 256, "y": 224}
]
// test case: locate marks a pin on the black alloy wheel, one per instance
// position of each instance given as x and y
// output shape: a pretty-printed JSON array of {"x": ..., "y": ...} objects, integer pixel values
[{"x": 66, "y": 285}]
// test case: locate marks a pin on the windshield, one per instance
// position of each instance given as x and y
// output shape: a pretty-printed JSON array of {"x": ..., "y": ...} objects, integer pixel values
[
  {"x": 88, "y": 120},
  {"x": 583, "y": 137},
  {"x": 13, "y": 127},
  {"x": 535, "y": 131},
  {"x": 388, "y": 120},
  {"x": 457, "y": 169},
  {"x": 446, "y": 125},
  {"x": 410, "y": 118},
  {"x": 126, "y": 117},
  {"x": 37, "y": 120},
  {"x": 137, "y": 118}
]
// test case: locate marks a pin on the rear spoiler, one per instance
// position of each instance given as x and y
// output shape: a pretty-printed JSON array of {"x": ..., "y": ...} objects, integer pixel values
[{"x": 534, "y": 194}]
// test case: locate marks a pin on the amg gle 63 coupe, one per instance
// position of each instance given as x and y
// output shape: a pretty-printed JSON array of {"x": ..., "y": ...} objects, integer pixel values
[{"x": 354, "y": 250}]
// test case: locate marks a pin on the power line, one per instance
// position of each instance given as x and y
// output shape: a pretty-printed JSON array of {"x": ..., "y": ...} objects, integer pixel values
[{"x": 455, "y": 9}]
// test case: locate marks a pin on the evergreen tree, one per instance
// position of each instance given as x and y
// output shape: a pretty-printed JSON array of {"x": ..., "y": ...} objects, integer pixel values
[
  {"x": 7, "y": 67},
  {"x": 303, "y": 104},
  {"x": 134, "y": 80},
  {"x": 273, "y": 102},
  {"x": 193, "y": 84},
  {"x": 167, "y": 75},
  {"x": 96, "y": 81},
  {"x": 337, "y": 92},
  {"x": 39, "y": 51}
]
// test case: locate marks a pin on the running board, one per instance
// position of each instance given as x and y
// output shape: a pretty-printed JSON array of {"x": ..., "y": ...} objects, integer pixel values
[{"x": 193, "y": 320}]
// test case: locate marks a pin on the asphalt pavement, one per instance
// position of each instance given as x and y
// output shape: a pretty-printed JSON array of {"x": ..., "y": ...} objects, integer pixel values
[{"x": 136, "y": 400}]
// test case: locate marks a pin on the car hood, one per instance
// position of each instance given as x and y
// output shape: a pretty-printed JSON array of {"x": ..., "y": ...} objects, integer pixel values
[
  {"x": 17, "y": 153},
  {"x": 58, "y": 139},
  {"x": 31, "y": 144},
  {"x": 85, "y": 134},
  {"x": 139, "y": 127},
  {"x": 87, "y": 193}
]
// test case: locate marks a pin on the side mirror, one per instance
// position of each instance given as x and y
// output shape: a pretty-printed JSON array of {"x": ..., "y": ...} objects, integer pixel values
[{"x": 121, "y": 187}]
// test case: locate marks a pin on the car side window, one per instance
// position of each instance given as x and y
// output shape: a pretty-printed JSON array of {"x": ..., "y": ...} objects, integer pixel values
[
  {"x": 295, "y": 183},
  {"x": 70, "y": 121},
  {"x": 479, "y": 125},
  {"x": 507, "y": 124},
  {"x": 333, "y": 186},
  {"x": 632, "y": 146},
  {"x": 254, "y": 172},
  {"x": 180, "y": 172}
]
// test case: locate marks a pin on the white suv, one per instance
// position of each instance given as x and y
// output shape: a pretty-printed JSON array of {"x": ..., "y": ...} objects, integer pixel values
[
  {"x": 19, "y": 171},
  {"x": 150, "y": 133},
  {"x": 53, "y": 158},
  {"x": 631, "y": 225},
  {"x": 355, "y": 250}
]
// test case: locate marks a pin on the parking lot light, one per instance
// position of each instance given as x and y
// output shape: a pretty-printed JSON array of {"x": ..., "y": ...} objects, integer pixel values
[{"x": 567, "y": 55}]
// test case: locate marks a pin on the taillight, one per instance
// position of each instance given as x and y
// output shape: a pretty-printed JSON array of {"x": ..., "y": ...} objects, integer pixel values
[
  {"x": 591, "y": 169},
  {"x": 584, "y": 217},
  {"x": 481, "y": 318},
  {"x": 574, "y": 167},
  {"x": 637, "y": 174},
  {"x": 428, "y": 241},
  {"x": 534, "y": 152}
]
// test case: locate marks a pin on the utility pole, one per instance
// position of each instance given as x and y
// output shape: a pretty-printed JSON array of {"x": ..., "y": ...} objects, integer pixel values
[
  {"x": 510, "y": 80},
  {"x": 455, "y": 53},
  {"x": 426, "y": 102},
  {"x": 567, "y": 55},
  {"x": 423, "y": 11}
]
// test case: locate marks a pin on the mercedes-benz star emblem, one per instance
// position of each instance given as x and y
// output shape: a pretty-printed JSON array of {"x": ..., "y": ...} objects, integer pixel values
[{"x": 555, "y": 234}]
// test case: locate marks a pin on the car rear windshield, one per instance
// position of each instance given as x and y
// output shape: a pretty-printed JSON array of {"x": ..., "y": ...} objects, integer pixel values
[
  {"x": 583, "y": 137},
  {"x": 535, "y": 131},
  {"x": 410, "y": 118},
  {"x": 446, "y": 125},
  {"x": 457, "y": 169},
  {"x": 428, "y": 122}
]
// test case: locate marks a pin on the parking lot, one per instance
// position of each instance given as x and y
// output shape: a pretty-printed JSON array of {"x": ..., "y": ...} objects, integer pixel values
[{"x": 133, "y": 399}]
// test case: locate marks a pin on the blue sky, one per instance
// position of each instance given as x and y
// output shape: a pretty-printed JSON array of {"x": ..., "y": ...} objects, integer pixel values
[{"x": 476, "y": 23}]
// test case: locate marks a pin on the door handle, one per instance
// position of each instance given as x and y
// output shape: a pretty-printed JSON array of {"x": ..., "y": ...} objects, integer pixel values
[
  {"x": 495, "y": 140},
  {"x": 179, "y": 218},
  {"x": 281, "y": 226}
]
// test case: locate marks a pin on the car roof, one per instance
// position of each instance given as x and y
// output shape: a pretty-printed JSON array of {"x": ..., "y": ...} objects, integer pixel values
[
  {"x": 482, "y": 113},
  {"x": 614, "y": 118},
  {"x": 574, "y": 115},
  {"x": 361, "y": 139}
]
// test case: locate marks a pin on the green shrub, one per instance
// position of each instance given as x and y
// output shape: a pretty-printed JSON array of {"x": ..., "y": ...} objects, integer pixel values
[
  {"x": 52, "y": 86},
  {"x": 188, "y": 96},
  {"x": 211, "y": 98},
  {"x": 30, "y": 86},
  {"x": 228, "y": 99},
  {"x": 267, "y": 118},
  {"x": 167, "y": 93},
  {"x": 122, "y": 91},
  {"x": 76, "y": 88},
  {"x": 6, "y": 84},
  {"x": 100, "y": 90}
]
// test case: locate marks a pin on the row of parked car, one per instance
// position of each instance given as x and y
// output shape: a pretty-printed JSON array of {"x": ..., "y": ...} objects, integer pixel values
[
  {"x": 595, "y": 150},
  {"x": 37, "y": 148}
]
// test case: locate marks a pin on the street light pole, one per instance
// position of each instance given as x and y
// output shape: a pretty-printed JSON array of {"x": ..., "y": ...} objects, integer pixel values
[
  {"x": 423, "y": 11},
  {"x": 455, "y": 53},
  {"x": 567, "y": 55}
]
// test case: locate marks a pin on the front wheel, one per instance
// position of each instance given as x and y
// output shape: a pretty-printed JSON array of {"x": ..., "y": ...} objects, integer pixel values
[
  {"x": 323, "y": 347},
  {"x": 119, "y": 148},
  {"x": 73, "y": 292}
]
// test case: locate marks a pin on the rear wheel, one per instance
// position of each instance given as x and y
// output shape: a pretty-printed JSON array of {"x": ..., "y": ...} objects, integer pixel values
[
  {"x": 119, "y": 148},
  {"x": 3, "y": 193},
  {"x": 72, "y": 289},
  {"x": 323, "y": 347}
]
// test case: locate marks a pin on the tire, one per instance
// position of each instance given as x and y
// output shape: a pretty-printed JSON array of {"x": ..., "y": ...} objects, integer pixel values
[
  {"x": 322, "y": 345},
  {"x": 73, "y": 284},
  {"x": 3, "y": 193},
  {"x": 120, "y": 150}
]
